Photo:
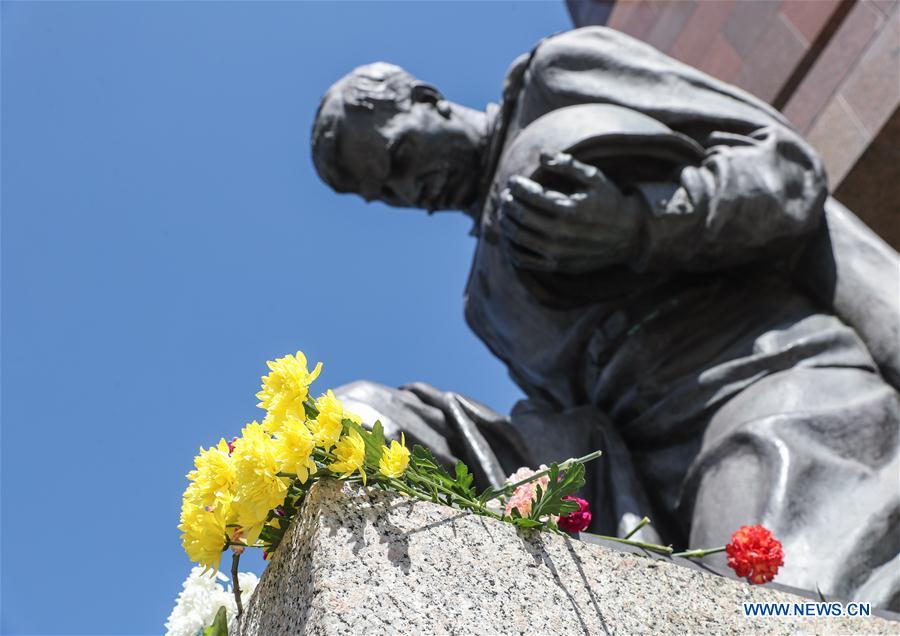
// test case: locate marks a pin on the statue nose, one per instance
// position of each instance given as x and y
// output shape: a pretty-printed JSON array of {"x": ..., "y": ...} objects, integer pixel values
[{"x": 368, "y": 194}]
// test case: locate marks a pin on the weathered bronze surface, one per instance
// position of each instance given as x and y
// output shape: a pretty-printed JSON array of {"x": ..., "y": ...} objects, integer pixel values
[{"x": 662, "y": 271}]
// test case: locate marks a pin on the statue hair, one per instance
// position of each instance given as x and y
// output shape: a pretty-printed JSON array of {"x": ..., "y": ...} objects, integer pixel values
[{"x": 380, "y": 89}]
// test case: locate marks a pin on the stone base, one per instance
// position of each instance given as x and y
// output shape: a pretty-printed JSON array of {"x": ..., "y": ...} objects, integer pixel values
[{"x": 376, "y": 563}]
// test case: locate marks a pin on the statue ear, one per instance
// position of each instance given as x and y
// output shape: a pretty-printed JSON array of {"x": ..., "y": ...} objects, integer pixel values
[
  {"x": 421, "y": 92},
  {"x": 426, "y": 93}
]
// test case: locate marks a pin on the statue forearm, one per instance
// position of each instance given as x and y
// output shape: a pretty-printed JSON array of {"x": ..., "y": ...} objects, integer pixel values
[
  {"x": 753, "y": 197},
  {"x": 759, "y": 189}
]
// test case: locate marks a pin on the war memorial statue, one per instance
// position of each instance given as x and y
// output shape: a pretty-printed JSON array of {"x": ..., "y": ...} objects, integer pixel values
[{"x": 660, "y": 268}]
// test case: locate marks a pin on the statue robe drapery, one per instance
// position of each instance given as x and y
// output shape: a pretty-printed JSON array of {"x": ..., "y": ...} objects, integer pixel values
[{"x": 723, "y": 394}]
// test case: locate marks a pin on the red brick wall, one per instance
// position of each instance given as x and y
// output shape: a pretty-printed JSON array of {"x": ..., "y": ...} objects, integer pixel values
[
  {"x": 753, "y": 44},
  {"x": 853, "y": 88}
]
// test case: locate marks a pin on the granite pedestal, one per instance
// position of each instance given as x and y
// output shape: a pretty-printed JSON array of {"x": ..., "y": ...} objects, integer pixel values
[{"x": 370, "y": 562}]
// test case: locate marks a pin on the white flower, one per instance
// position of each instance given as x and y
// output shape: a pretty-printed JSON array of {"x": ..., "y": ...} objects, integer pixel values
[{"x": 201, "y": 598}]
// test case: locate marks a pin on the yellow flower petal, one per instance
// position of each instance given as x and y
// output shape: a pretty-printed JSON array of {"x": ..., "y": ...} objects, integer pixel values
[
  {"x": 394, "y": 460},
  {"x": 284, "y": 390},
  {"x": 350, "y": 452}
]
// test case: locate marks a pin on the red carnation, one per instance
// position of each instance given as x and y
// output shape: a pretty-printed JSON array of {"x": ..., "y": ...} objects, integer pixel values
[
  {"x": 755, "y": 554},
  {"x": 578, "y": 520}
]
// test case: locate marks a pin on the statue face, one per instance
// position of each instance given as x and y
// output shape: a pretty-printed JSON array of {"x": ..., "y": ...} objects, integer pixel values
[{"x": 418, "y": 158}]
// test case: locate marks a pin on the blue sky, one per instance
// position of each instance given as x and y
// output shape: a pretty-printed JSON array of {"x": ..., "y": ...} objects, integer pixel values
[{"x": 163, "y": 234}]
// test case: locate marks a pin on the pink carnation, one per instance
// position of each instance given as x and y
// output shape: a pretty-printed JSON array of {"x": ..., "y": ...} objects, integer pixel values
[{"x": 524, "y": 495}]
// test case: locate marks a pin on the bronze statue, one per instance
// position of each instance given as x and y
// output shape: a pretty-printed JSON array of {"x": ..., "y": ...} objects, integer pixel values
[{"x": 662, "y": 271}]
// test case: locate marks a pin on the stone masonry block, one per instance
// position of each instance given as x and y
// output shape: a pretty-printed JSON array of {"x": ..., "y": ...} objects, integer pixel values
[{"x": 359, "y": 562}]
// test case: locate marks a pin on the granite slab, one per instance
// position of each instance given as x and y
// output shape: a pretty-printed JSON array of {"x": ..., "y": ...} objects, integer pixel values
[{"x": 370, "y": 562}]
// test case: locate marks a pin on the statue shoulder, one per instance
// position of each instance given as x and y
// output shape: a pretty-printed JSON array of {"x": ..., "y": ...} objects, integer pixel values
[
  {"x": 558, "y": 49},
  {"x": 585, "y": 49},
  {"x": 576, "y": 67}
]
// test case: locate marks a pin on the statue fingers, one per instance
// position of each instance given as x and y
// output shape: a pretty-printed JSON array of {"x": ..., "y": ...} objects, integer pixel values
[
  {"x": 524, "y": 258},
  {"x": 527, "y": 216},
  {"x": 547, "y": 252},
  {"x": 526, "y": 248},
  {"x": 534, "y": 194},
  {"x": 568, "y": 166},
  {"x": 430, "y": 395},
  {"x": 585, "y": 264},
  {"x": 524, "y": 236},
  {"x": 580, "y": 229},
  {"x": 510, "y": 208}
]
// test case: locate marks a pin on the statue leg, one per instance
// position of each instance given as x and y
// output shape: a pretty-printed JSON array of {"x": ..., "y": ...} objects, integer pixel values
[
  {"x": 812, "y": 454},
  {"x": 455, "y": 427},
  {"x": 613, "y": 488}
]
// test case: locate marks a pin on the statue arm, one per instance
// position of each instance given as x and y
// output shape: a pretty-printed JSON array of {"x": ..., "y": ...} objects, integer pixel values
[
  {"x": 752, "y": 197},
  {"x": 759, "y": 189}
]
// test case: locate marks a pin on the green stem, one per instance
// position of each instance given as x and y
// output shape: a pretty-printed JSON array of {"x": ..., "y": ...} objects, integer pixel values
[
  {"x": 235, "y": 584},
  {"x": 643, "y": 522},
  {"x": 406, "y": 490},
  {"x": 697, "y": 554},
  {"x": 243, "y": 545},
  {"x": 322, "y": 454},
  {"x": 563, "y": 466},
  {"x": 443, "y": 489},
  {"x": 652, "y": 547},
  {"x": 474, "y": 505},
  {"x": 395, "y": 484}
]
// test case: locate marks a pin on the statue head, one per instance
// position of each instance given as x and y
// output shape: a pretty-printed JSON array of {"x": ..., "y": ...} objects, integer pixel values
[{"x": 381, "y": 133}]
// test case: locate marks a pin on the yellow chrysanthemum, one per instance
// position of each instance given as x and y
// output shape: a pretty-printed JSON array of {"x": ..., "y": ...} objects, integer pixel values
[
  {"x": 259, "y": 489},
  {"x": 294, "y": 445},
  {"x": 213, "y": 480},
  {"x": 327, "y": 427},
  {"x": 203, "y": 532},
  {"x": 395, "y": 459},
  {"x": 285, "y": 389},
  {"x": 350, "y": 452}
]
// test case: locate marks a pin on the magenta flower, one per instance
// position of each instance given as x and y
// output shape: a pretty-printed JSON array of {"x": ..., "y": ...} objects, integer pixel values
[{"x": 576, "y": 521}]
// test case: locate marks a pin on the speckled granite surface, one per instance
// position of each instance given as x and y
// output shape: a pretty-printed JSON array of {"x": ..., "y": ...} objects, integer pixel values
[{"x": 376, "y": 563}]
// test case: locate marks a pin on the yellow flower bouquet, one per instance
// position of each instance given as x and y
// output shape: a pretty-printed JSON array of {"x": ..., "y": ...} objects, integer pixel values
[{"x": 245, "y": 493}]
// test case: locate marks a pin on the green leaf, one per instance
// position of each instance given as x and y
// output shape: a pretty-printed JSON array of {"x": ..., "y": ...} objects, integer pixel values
[
  {"x": 375, "y": 445},
  {"x": 464, "y": 480},
  {"x": 311, "y": 411},
  {"x": 219, "y": 626},
  {"x": 490, "y": 493},
  {"x": 422, "y": 456},
  {"x": 523, "y": 522},
  {"x": 550, "y": 502},
  {"x": 568, "y": 506},
  {"x": 424, "y": 461}
]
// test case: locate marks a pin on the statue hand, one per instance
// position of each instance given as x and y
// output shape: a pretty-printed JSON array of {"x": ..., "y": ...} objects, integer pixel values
[{"x": 594, "y": 227}]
